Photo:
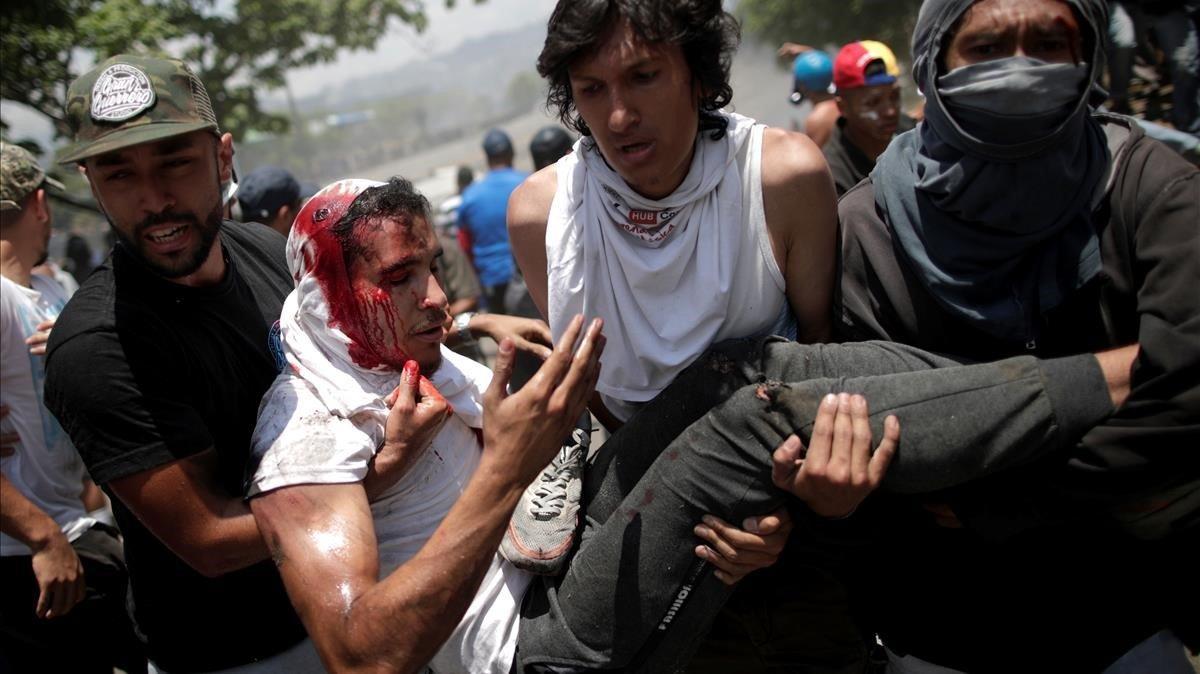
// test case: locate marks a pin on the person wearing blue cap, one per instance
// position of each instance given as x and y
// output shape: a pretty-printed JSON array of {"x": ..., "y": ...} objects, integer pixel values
[
  {"x": 812, "y": 83},
  {"x": 272, "y": 195},
  {"x": 482, "y": 217}
]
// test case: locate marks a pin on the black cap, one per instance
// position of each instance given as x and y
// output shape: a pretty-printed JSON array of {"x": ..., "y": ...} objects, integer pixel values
[
  {"x": 549, "y": 144},
  {"x": 497, "y": 143},
  {"x": 265, "y": 190}
]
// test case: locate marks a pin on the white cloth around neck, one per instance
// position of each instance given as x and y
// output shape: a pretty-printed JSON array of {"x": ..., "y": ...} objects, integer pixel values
[
  {"x": 320, "y": 353},
  {"x": 666, "y": 294}
]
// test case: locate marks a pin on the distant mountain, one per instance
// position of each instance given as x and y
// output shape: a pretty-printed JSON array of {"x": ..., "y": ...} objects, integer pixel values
[{"x": 484, "y": 66}]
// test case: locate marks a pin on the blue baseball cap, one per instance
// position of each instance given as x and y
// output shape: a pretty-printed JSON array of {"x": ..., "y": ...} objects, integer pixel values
[
  {"x": 812, "y": 71},
  {"x": 496, "y": 142}
]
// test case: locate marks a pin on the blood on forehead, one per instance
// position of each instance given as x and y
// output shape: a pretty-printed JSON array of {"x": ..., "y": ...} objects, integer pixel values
[{"x": 323, "y": 258}]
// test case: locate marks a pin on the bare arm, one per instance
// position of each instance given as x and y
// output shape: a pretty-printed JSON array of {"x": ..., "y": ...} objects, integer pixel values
[
  {"x": 55, "y": 564},
  {"x": 803, "y": 240},
  {"x": 801, "y": 211},
  {"x": 180, "y": 504},
  {"x": 790, "y": 50},
  {"x": 1117, "y": 366},
  {"x": 214, "y": 532},
  {"x": 528, "y": 211},
  {"x": 820, "y": 122},
  {"x": 93, "y": 499},
  {"x": 323, "y": 539},
  {"x": 528, "y": 334}
]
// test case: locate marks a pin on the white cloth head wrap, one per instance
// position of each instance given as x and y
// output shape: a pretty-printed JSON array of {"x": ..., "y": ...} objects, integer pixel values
[{"x": 317, "y": 347}]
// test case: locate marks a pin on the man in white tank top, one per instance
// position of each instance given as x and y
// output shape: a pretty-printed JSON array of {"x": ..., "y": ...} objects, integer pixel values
[
  {"x": 678, "y": 224},
  {"x": 409, "y": 575},
  {"x": 682, "y": 225}
]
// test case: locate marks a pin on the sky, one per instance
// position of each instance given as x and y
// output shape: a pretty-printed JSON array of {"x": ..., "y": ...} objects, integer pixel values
[{"x": 446, "y": 30}]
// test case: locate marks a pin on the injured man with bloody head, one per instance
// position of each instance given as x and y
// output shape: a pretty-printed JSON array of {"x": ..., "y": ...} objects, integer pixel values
[{"x": 397, "y": 568}]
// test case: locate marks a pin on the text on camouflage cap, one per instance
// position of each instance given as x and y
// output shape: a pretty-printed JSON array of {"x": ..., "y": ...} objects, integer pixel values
[{"x": 131, "y": 99}]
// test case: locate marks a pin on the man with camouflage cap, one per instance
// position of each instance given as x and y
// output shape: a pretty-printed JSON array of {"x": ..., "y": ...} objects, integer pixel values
[
  {"x": 64, "y": 572},
  {"x": 20, "y": 177},
  {"x": 157, "y": 367}
]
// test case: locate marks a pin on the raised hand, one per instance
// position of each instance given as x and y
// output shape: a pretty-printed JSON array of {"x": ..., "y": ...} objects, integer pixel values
[{"x": 526, "y": 428}]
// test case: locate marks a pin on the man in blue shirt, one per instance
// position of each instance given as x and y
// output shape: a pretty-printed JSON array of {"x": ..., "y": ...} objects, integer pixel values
[{"x": 482, "y": 216}]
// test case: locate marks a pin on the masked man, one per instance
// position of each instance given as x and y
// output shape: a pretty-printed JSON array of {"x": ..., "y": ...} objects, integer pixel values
[{"x": 1015, "y": 219}]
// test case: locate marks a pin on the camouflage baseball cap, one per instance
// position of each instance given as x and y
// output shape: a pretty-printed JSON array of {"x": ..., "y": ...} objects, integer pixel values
[
  {"x": 132, "y": 99},
  {"x": 20, "y": 175}
]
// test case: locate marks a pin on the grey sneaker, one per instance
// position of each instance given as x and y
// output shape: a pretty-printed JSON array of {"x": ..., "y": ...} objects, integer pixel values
[{"x": 542, "y": 530}]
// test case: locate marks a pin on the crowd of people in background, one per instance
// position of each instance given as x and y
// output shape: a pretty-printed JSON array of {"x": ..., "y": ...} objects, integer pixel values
[
  {"x": 904, "y": 389},
  {"x": 835, "y": 92}
]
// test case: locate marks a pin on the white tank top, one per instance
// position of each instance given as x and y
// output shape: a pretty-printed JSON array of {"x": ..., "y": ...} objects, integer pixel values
[{"x": 666, "y": 301}]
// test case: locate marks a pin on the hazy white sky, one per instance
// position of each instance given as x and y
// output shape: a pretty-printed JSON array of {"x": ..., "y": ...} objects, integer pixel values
[{"x": 446, "y": 30}]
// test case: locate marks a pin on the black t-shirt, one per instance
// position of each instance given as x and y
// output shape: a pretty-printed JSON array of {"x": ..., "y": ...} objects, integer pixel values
[
  {"x": 142, "y": 372},
  {"x": 848, "y": 164}
]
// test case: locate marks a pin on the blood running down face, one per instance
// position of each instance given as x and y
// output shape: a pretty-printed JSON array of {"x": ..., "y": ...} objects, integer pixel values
[{"x": 374, "y": 256}]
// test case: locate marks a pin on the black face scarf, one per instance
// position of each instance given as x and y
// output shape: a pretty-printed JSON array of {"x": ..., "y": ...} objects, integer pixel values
[{"x": 989, "y": 199}]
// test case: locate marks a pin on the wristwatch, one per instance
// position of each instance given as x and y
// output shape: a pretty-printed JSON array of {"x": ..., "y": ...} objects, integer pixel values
[{"x": 461, "y": 325}]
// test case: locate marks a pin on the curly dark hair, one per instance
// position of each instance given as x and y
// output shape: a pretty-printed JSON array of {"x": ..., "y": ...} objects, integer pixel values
[
  {"x": 397, "y": 199},
  {"x": 707, "y": 34}
]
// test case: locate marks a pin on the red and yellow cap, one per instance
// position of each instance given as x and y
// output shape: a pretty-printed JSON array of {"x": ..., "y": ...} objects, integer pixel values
[{"x": 865, "y": 63}]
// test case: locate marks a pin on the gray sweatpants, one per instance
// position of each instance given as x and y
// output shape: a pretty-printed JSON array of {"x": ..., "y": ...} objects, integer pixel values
[{"x": 635, "y": 597}]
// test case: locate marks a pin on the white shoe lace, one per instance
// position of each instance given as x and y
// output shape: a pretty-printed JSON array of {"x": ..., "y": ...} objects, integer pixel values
[{"x": 551, "y": 495}]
